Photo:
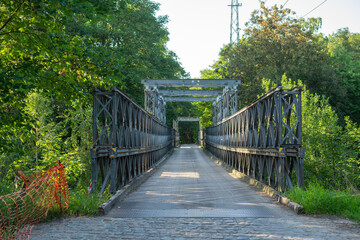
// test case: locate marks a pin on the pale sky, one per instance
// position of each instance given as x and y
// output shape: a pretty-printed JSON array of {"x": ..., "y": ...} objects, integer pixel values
[{"x": 199, "y": 28}]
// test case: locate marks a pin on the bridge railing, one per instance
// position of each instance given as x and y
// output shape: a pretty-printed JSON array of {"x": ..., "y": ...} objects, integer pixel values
[
  {"x": 264, "y": 139},
  {"x": 127, "y": 140}
]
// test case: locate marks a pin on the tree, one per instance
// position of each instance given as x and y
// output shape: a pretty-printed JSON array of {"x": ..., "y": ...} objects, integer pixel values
[
  {"x": 54, "y": 52},
  {"x": 276, "y": 42},
  {"x": 332, "y": 151},
  {"x": 344, "y": 51}
]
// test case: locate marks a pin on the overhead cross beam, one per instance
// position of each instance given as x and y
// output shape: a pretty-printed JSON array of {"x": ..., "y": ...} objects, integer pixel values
[
  {"x": 189, "y": 99},
  {"x": 224, "y": 100},
  {"x": 210, "y": 83},
  {"x": 198, "y": 93},
  {"x": 188, "y": 119}
]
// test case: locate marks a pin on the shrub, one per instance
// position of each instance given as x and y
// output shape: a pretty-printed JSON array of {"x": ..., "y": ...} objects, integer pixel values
[{"x": 318, "y": 200}]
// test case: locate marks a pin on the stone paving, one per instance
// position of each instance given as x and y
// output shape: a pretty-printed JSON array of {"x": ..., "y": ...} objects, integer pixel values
[
  {"x": 297, "y": 227},
  {"x": 190, "y": 197}
]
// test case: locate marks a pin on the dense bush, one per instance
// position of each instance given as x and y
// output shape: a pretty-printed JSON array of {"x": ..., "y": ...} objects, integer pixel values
[
  {"x": 52, "y": 54},
  {"x": 332, "y": 151}
]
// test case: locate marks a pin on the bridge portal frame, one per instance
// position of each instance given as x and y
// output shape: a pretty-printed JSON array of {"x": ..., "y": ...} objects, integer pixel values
[
  {"x": 225, "y": 101},
  {"x": 188, "y": 119}
]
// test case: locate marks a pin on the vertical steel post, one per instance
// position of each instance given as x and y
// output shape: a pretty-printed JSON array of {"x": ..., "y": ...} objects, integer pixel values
[
  {"x": 113, "y": 170},
  {"x": 300, "y": 173},
  {"x": 94, "y": 169},
  {"x": 281, "y": 170}
]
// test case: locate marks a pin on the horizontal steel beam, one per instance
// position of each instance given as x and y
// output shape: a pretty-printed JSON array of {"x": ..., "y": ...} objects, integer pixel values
[
  {"x": 102, "y": 151},
  {"x": 188, "y": 119},
  {"x": 174, "y": 93},
  {"x": 190, "y": 82},
  {"x": 190, "y": 99},
  {"x": 273, "y": 152}
]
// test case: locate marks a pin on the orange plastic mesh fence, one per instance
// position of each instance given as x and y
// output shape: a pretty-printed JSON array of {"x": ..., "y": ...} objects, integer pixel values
[{"x": 19, "y": 211}]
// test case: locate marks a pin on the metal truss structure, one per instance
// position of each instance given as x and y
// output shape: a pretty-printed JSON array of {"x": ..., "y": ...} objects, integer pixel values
[
  {"x": 234, "y": 23},
  {"x": 223, "y": 95},
  {"x": 188, "y": 119},
  {"x": 225, "y": 105},
  {"x": 127, "y": 140},
  {"x": 190, "y": 99},
  {"x": 264, "y": 139},
  {"x": 155, "y": 104},
  {"x": 207, "y": 83},
  {"x": 198, "y": 93},
  {"x": 177, "y": 134}
]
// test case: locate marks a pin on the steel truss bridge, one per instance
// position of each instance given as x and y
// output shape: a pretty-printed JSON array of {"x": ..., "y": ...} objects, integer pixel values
[{"x": 262, "y": 140}]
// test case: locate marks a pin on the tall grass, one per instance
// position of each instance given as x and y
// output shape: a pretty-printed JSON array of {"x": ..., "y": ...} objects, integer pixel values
[
  {"x": 80, "y": 203},
  {"x": 318, "y": 200}
]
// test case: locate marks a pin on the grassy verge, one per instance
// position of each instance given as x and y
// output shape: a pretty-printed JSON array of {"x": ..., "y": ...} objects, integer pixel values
[
  {"x": 80, "y": 204},
  {"x": 317, "y": 200}
]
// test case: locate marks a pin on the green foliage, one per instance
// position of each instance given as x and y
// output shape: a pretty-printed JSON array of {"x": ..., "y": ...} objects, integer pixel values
[
  {"x": 318, "y": 200},
  {"x": 205, "y": 108},
  {"x": 6, "y": 187},
  {"x": 188, "y": 132},
  {"x": 82, "y": 204},
  {"x": 52, "y": 54},
  {"x": 39, "y": 114},
  {"x": 275, "y": 42},
  {"x": 332, "y": 152},
  {"x": 344, "y": 51}
]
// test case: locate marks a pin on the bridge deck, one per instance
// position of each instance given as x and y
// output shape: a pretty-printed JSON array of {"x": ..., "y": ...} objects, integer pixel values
[
  {"x": 191, "y": 197},
  {"x": 190, "y": 184}
]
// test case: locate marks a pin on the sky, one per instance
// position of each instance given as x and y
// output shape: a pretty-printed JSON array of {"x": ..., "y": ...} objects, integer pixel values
[{"x": 200, "y": 28}]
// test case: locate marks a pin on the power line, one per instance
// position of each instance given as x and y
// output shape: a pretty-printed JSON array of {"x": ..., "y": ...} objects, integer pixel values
[
  {"x": 285, "y": 3},
  {"x": 315, "y": 8}
]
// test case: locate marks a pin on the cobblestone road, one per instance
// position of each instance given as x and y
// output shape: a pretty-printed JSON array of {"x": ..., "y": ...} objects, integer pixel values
[
  {"x": 191, "y": 197},
  {"x": 297, "y": 227}
]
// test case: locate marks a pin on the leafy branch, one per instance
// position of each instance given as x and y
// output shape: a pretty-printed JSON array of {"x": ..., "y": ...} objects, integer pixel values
[{"x": 12, "y": 15}]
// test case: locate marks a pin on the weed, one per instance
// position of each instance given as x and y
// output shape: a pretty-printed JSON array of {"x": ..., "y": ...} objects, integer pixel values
[
  {"x": 318, "y": 200},
  {"x": 80, "y": 203}
]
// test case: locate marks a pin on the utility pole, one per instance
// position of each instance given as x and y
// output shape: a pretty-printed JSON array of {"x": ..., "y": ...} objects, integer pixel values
[
  {"x": 234, "y": 24},
  {"x": 231, "y": 97}
]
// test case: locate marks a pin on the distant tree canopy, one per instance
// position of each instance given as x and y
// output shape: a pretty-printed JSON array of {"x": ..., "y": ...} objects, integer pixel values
[
  {"x": 53, "y": 52},
  {"x": 276, "y": 42},
  {"x": 279, "y": 49},
  {"x": 66, "y": 47},
  {"x": 344, "y": 51}
]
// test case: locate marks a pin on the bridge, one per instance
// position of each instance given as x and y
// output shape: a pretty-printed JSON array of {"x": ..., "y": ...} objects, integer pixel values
[
  {"x": 183, "y": 193},
  {"x": 262, "y": 140}
]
